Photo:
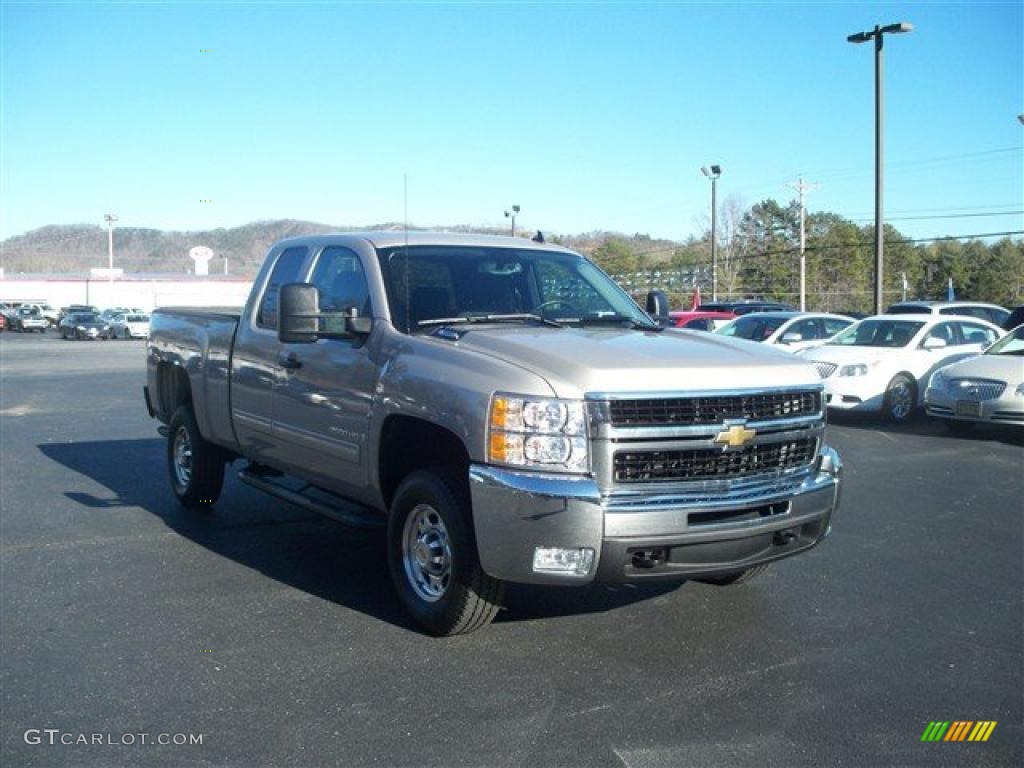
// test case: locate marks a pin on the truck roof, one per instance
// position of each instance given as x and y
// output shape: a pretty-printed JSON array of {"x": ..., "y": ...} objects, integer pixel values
[{"x": 391, "y": 239}]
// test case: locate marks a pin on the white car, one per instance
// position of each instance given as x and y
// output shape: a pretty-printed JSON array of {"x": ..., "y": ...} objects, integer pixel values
[
  {"x": 882, "y": 363},
  {"x": 993, "y": 313},
  {"x": 790, "y": 330},
  {"x": 129, "y": 326},
  {"x": 988, "y": 388}
]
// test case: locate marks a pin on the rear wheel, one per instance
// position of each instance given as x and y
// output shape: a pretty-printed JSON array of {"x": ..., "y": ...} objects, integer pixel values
[
  {"x": 739, "y": 577},
  {"x": 433, "y": 558},
  {"x": 900, "y": 399},
  {"x": 196, "y": 466}
]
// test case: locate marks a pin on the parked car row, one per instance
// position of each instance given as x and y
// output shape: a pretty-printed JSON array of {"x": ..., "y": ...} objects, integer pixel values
[
  {"x": 951, "y": 358},
  {"x": 80, "y": 326}
]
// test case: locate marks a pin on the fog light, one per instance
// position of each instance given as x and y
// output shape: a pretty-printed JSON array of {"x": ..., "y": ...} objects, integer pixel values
[{"x": 577, "y": 562}]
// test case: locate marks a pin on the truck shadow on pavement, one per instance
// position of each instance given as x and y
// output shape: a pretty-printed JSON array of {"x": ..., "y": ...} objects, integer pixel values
[
  {"x": 922, "y": 425},
  {"x": 318, "y": 556}
]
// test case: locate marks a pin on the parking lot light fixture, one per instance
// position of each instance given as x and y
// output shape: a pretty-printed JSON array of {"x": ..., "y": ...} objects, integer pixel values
[
  {"x": 512, "y": 215},
  {"x": 878, "y": 34},
  {"x": 712, "y": 173},
  {"x": 110, "y": 218}
]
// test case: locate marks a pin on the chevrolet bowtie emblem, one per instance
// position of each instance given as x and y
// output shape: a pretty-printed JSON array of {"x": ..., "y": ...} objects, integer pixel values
[{"x": 735, "y": 436}]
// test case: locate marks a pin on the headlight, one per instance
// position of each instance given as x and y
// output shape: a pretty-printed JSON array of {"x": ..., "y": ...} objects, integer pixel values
[
  {"x": 937, "y": 381},
  {"x": 79, "y": 327},
  {"x": 537, "y": 433},
  {"x": 1019, "y": 391},
  {"x": 854, "y": 370}
]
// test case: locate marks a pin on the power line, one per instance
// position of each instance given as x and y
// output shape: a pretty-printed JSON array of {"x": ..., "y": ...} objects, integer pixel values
[{"x": 947, "y": 216}]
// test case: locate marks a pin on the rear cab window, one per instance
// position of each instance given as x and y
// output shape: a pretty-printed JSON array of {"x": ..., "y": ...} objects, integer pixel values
[{"x": 287, "y": 269}]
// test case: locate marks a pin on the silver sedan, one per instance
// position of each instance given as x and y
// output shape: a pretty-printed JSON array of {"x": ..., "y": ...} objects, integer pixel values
[{"x": 988, "y": 388}]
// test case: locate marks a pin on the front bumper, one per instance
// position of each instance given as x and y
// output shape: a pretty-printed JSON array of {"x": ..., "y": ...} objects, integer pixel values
[
  {"x": 854, "y": 393},
  {"x": 645, "y": 538},
  {"x": 1007, "y": 409}
]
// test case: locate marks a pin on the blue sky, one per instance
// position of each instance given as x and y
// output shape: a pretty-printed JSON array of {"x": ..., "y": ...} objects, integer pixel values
[{"x": 588, "y": 115}]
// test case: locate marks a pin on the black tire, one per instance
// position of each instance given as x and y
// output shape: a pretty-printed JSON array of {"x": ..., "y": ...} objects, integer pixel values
[
  {"x": 740, "y": 577},
  {"x": 900, "y": 399},
  {"x": 198, "y": 478},
  {"x": 466, "y": 598}
]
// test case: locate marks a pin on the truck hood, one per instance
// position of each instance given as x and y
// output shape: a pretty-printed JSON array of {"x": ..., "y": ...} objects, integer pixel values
[{"x": 576, "y": 361}]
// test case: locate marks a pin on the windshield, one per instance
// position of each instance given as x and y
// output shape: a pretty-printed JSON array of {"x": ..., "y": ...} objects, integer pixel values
[
  {"x": 878, "y": 333},
  {"x": 908, "y": 309},
  {"x": 137, "y": 319},
  {"x": 753, "y": 327},
  {"x": 1011, "y": 344},
  {"x": 85, "y": 317},
  {"x": 437, "y": 282}
]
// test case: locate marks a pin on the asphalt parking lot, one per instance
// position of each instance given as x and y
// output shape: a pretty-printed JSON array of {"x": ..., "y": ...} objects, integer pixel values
[{"x": 276, "y": 636}]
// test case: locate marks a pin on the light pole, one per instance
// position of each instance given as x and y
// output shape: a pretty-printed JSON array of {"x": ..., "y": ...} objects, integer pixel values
[
  {"x": 713, "y": 173},
  {"x": 110, "y": 218},
  {"x": 512, "y": 215},
  {"x": 877, "y": 34}
]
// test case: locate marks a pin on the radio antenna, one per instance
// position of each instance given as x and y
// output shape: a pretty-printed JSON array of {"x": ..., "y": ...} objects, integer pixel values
[{"x": 405, "y": 206}]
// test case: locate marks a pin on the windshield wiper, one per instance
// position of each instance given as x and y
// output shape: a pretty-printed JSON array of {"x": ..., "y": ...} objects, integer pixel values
[
  {"x": 514, "y": 318},
  {"x": 623, "y": 322}
]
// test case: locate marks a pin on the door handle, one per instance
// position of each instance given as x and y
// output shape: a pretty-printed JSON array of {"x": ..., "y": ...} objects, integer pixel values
[{"x": 289, "y": 363}]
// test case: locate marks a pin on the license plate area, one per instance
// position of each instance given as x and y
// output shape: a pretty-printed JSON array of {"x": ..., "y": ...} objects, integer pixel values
[{"x": 968, "y": 408}]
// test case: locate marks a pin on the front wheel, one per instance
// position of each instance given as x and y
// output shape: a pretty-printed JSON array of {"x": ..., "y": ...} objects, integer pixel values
[
  {"x": 900, "y": 399},
  {"x": 433, "y": 558},
  {"x": 196, "y": 466}
]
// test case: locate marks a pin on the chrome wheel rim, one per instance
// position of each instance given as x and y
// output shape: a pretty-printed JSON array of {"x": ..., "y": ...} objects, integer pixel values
[
  {"x": 182, "y": 457},
  {"x": 900, "y": 400},
  {"x": 426, "y": 553}
]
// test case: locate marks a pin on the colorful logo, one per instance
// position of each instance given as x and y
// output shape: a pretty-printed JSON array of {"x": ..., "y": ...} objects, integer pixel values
[{"x": 958, "y": 730}]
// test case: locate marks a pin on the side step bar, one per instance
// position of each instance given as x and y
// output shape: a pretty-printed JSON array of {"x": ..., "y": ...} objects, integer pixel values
[{"x": 351, "y": 517}]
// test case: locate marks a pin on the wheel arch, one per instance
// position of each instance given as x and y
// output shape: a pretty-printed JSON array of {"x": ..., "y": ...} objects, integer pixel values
[{"x": 408, "y": 443}]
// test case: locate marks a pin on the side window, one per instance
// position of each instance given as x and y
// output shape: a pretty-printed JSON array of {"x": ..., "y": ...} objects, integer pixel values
[
  {"x": 808, "y": 329},
  {"x": 834, "y": 326},
  {"x": 974, "y": 333},
  {"x": 945, "y": 332},
  {"x": 286, "y": 270},
  {"x": 339, "y": 277},
  {"x": 699, "y": 324}
]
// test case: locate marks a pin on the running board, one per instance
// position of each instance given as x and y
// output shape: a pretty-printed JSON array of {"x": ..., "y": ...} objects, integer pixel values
[{"x": 349, "y": 517}]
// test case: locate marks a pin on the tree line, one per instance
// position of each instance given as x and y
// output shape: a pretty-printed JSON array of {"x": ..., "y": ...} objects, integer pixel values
[{"x": 758, "y": 256}]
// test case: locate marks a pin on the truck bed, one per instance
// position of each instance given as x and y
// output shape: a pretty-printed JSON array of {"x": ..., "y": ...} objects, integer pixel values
[{"x": 198, "y": 341}]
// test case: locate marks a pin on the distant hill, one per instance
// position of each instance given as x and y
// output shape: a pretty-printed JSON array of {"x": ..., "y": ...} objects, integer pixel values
[{"x": 78, "y": 247}]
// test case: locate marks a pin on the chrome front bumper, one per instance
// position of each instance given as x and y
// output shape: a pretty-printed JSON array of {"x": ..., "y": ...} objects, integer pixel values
[{"x": 640, "y": 537}]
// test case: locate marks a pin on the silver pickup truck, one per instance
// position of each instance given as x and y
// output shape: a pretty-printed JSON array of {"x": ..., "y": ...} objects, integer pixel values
[{"x": 504, "y": 409}]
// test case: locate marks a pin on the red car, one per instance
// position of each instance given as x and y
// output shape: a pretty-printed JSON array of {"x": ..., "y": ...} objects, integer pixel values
[{"x": 700, "y": 319}]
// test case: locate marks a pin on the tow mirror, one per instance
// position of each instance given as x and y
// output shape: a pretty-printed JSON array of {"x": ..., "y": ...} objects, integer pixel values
[
  {"x": 298, "y": 313},
  {"x": 934, "y": 342},
  {"x": 657, "y": 305}
]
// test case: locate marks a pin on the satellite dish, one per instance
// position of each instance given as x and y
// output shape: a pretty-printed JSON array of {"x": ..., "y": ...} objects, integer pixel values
[{"x": 201, "y": 255}]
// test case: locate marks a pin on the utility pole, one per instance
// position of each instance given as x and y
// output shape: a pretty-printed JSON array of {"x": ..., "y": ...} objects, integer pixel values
[{"x": 803, "y": 189}]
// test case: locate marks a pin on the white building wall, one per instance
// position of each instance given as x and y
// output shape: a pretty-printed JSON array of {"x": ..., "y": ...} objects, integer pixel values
[{"x": 144, "y": 293}]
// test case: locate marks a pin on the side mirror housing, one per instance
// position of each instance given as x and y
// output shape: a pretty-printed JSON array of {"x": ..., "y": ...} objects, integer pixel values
[
  {"x": 791, "y": 338},
  {"x": 298, "y": 313},
  {"x": 657, "y": 304},
  {"x": 359, "y": 326},
  {"x": 933, "y": 342}
]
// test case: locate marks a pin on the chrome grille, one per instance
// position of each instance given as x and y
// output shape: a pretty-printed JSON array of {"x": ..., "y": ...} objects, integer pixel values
[
  {"x": 975, "y": 389},
  {"x": 684, "y": 411},
  {"x": 713, "y": 463},
  {"x": 825, "y": 369}
]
